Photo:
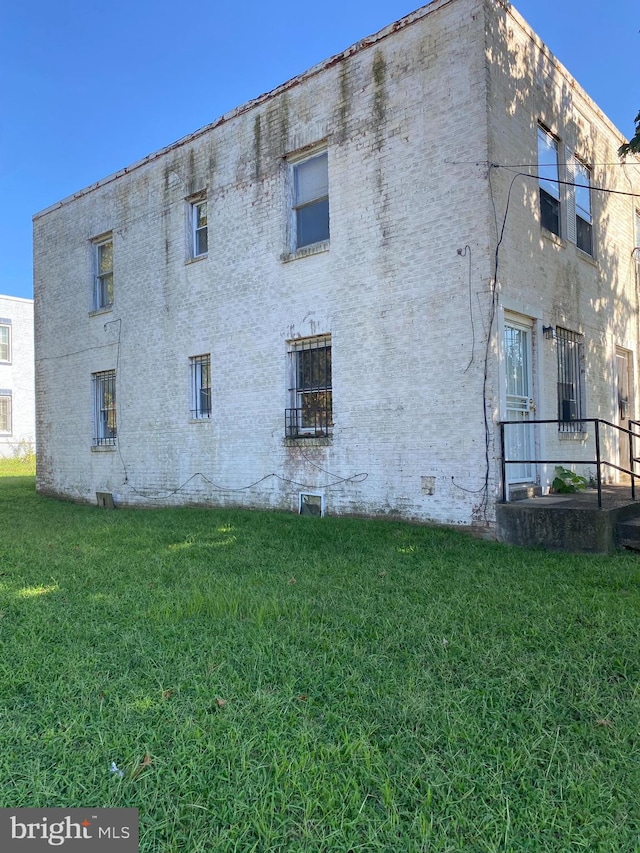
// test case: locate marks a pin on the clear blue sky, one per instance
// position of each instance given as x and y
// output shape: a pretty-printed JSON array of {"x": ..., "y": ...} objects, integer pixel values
[{"x": 87, "y": 88}]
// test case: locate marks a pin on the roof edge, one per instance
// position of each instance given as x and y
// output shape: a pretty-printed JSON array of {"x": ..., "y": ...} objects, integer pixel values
[{"x": 362, "y": 44}]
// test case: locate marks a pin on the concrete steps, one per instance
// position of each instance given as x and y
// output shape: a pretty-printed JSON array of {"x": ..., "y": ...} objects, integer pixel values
[
  {"x": 628, "y": 534},
  {"x": 572, "y": 523}
]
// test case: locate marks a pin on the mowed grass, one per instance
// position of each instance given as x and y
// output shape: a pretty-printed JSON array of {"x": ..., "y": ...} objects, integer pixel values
[{"x": 267, "y": 682}]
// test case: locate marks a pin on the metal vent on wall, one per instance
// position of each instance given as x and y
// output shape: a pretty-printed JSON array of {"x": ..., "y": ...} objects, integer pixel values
[
  {"x": 311, "y": 504},
  {"x": 105, "y": 500}
]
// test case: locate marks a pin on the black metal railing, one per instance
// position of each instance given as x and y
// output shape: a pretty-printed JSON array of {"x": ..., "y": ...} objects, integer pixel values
[
  {"x": 599, "y": 461},
  {"x": 307, "y": 422}
]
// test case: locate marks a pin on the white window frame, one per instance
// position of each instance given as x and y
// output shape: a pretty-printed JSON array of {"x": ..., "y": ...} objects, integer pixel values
[
  {"x": 103, "y": 278},
  {"x": 105, "y": 418},
  {"x": 199, "y": 231},
  {"x": 6, "y": 413},
  {"x": 548, "y": 177},
  {"x": 310, "y": 412},
  {"x": 584, "y": 216},
  {"x": 200, "y": 375},
  {"x": 5, "y": 345},
  {"x": 312, "y": 199}
]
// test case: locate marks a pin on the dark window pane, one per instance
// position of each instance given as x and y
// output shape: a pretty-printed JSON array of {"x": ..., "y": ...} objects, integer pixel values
[
  {"x": 312, "y": 223},
  {"x": 549, "y": 213},
  {"x": 583, "y": 235},
  {"x": 202, "y": 241}
]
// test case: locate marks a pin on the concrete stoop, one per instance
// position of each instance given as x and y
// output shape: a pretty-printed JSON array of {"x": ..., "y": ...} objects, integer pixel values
[
  {"x": 572, "y": 523},
  {"x": 628, "y": 534}
]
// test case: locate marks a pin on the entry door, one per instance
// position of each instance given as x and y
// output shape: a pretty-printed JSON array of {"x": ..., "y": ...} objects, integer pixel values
[
  {"x": 624, "y": 389},
  {"x": 518, "y": 438}
]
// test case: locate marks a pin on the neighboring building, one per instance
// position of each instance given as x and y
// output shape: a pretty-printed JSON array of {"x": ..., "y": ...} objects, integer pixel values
[
  {"x": 17, "y": 382},
  {"x": 332, "y": 295}
]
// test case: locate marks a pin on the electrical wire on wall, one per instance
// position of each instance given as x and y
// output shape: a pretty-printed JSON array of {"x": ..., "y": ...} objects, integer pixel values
[
  {"x": 338, "y": 480},
  {"x": 500, "y": 233},
  {"x": 463, "y": 253}
]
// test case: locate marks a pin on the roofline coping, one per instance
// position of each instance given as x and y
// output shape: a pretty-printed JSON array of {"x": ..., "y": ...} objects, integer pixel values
[{"x": 362, "y": 44}]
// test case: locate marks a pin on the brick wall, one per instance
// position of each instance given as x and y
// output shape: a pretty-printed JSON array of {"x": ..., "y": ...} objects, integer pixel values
[{"x": 410, "y": 119}]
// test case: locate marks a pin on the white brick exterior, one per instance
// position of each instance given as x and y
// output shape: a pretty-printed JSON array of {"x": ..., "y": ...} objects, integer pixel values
[
  {"x": 412, "y": 120},
  {"x": 17, "y": 381}
]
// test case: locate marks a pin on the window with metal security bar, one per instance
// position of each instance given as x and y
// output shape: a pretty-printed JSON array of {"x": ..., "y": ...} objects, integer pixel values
[
  {"x": 200, "y": 386},
  {"x": 570, "y": 352},
  {"x": 310, "y": 392},
  {"x": 5, "y": 414},
  {"x": 103, "y": 280},
  {"x": 104, "y": 408}
]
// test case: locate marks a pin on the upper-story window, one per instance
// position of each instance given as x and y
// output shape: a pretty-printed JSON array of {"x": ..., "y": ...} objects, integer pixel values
[
  {"x": 584, "y": 223},
  {"x": 5, "y": 340},
  {"x": 311, "y": 200},
  {"x": 103, "y": 279},
  {"x": 548, "y": 179},
  {"x": 199, "y": 229}
]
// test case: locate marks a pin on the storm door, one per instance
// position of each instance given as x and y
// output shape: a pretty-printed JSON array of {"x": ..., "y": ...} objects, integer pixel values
[
  {"x": 518, "y": 438},
  {"x": 624, "y": 400}
]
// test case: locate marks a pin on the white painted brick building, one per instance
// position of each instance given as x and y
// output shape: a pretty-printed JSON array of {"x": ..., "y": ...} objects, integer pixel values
[
  {"x": 341, "y": 287},
  {"x": 17, "y": 382}
]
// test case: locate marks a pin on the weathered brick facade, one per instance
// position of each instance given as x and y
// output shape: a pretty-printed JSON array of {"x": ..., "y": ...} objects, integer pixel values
[
  {"x": 17, "y": 407},
  {"x": 430, "y": 129}
]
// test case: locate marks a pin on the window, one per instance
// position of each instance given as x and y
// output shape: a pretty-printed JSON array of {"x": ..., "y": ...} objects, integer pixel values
[
  {"x": 637, "y": 238},
  {"x": 5, "y": 412},
  {"x": 199, "y": 229},
  {"x": 103, "y": 284},
  {"x": 583, "y": 208},
  {"x": 201, "y": 386},
  {"x": 311, "y": 200},
  {"x": 570, "y": 350},
  {"x": 5, "y": 340},
  {"x": 104, "y": 416},
  {"x": 548, "y": 178},
  {"x": 310, "y": 388}
]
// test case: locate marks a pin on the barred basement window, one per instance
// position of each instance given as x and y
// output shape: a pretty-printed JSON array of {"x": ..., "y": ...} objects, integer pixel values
[
  {"x": 571, "y": 407},
  {"x": 200, "y": 386},
  {"x": 310, "y": 394},
  {"x": 104, "y": 408}
]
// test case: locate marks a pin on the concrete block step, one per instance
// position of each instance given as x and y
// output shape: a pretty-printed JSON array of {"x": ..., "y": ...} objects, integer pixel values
[{"x": 628, "y": 534}]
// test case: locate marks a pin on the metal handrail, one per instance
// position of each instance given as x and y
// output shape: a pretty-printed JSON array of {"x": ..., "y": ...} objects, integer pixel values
[{"x": 598, "y": 461}]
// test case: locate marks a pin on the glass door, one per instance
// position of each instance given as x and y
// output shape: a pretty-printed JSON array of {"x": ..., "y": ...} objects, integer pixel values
[{"x": 518, "y": 437}]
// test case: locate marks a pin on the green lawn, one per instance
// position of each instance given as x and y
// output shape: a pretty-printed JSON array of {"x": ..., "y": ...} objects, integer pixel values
[{"x": 268, "y": 682}]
